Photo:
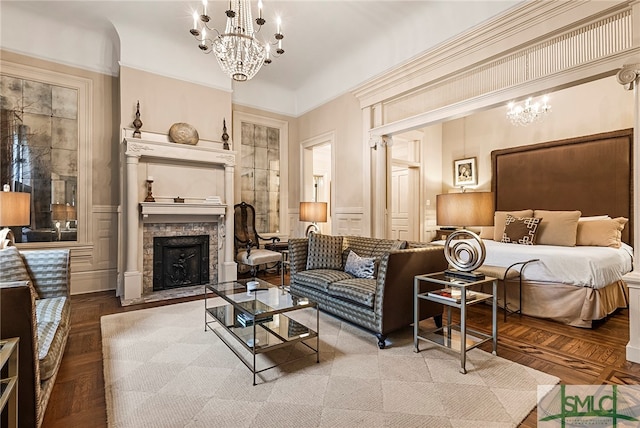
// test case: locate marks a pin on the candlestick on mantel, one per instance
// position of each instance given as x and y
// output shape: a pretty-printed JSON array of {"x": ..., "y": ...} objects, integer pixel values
[{"x": 149, "y": 197}]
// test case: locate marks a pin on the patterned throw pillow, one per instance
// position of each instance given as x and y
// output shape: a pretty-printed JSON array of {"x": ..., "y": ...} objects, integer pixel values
[
  {"x": 360, "y": 267},
  {"x": 325, "y": 252},
  {"x": 13, "y": 267},
  {"x": 520, "y": 230}
]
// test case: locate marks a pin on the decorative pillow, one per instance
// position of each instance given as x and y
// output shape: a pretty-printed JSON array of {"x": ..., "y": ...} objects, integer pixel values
[
  {"x": 360, "y": 267},
  {"x": 325, "y": 252},
  {"x": 487, "y": 232},
  {"x": 601, "y": 233},
  {"x": 13, "y": 267},
  {"x": 500, "y": 217},
  {"x": 594, "y": 218},
  {"x": 398, "y": 245},
  {"x": 557, "y": 228},
  {"x": 520, "y": 230}
]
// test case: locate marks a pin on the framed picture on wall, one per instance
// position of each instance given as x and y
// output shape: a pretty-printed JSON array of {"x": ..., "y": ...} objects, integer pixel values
[{"x": 465, "y": 172}]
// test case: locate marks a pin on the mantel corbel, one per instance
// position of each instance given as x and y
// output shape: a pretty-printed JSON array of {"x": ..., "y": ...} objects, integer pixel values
[{"x": 628, "y": 76}]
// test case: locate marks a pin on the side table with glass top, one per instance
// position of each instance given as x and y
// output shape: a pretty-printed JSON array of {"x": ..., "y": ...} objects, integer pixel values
[
  {"x": 9, "y": 384},
  {"x": 259, "y": 320},
  {"x": 450, "y": 335}
]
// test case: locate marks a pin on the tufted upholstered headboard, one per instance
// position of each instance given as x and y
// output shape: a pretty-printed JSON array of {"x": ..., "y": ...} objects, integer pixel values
[{"x": 593, "y": 174}]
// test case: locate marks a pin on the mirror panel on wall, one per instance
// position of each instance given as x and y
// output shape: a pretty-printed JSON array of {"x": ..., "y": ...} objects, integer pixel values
[
  {"x": 39, "y": 140},
  {"x": 260, "y": 172},
  {"x": 262, "y": 146}
]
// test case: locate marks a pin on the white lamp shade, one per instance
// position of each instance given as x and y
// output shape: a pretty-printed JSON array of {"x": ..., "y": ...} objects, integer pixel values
[{"x": 14, "y": 209}]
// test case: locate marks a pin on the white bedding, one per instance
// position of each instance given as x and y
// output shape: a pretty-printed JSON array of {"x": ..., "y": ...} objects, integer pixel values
[{"x": 582, "y": 266}]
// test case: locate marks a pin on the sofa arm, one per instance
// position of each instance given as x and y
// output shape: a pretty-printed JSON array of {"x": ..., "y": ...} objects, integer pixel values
[
  {"x": 18, "y": 319},
  {"x": 49, "y": 270},
  {"x": 298, "y": 251},
  {"x": 394, "y": 290}
]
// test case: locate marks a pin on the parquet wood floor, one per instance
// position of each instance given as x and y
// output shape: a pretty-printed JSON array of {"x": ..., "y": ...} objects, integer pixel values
[{"x": 575, "y": 355}]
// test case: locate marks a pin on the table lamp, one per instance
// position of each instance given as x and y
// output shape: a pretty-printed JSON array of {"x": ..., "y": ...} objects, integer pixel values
[
  {"x": 463, "y": 249},
  {"x": 314, "y": 212},
  {"x": 14, "y": 211}
]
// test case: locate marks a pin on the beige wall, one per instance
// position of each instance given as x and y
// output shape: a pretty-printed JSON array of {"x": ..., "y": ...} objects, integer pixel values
[
  {"x": 591, "y": 108},
  {"x": 342, "y": 116},
  {"x": 165, "y": 101}
]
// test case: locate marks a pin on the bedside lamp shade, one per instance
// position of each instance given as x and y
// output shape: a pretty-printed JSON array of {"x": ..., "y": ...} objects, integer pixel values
[
  {"x": 314, "y": 212},
  {"x": 465, "y": 209},
  {"x": 464, "y": 250},
  {"x": 14, "y": 211}
]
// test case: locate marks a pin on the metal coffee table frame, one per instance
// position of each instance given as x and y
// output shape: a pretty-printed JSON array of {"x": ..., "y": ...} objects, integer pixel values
[{"x": 265, "y": 309}]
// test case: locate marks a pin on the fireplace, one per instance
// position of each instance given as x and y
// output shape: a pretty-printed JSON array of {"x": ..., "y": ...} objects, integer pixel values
[{"x": 180, "y": 261}]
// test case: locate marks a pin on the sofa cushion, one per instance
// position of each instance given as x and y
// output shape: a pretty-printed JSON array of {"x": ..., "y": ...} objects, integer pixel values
[
  {"x": 52, "y": 317},
  {"x": 325, "y": 252},
  {"x": 14, "y": 269},
  {"x": 360, "y": 267},
  {"x": 357, "y": 290},
  {"x": 320, "y": 279}
]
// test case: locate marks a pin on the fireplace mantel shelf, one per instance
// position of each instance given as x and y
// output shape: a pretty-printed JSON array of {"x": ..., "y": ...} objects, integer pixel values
[{"x": 169, "y": 208}]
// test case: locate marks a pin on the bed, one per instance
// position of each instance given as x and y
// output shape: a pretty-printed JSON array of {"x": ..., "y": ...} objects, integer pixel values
[{"x": 592, "y": 175}]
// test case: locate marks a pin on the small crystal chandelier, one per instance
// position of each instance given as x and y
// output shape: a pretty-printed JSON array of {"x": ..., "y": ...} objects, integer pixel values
[
  {"x": 239, "y": 53},
  {"x": 530, "y": 112}
]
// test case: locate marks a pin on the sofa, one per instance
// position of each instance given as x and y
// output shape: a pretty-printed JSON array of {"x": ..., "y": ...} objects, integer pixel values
[
  {"x": 34, "y": 306},
  {"x": 379, "y": 299}
]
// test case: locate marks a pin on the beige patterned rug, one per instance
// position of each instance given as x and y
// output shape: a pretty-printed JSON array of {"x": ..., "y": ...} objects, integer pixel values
[{"x": 162, "y": 369}]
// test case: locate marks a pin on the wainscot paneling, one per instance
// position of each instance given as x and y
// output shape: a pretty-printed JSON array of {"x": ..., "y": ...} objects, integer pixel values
[{"x": 349, "y": 221}]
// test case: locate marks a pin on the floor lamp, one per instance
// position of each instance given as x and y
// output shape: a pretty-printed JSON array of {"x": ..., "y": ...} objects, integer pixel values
[
  {"x": 315, "y": 212},
  {"x": 14, "y": 211},
  {"x": 463, "y": 249}
]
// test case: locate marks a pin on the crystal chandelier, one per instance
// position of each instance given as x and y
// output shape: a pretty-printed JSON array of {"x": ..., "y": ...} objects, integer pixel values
[
  {"x": 530, "y": 112},
  {"x": 239, "y": 53}
]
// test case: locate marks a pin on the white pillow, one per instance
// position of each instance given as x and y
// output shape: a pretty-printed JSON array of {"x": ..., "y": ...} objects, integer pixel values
[
  {"x": 360, "y": 267},
  {"x": 595, "y": 218}
]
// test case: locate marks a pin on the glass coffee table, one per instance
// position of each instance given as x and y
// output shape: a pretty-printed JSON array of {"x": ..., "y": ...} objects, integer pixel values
[{"x": 258, "y": 319}]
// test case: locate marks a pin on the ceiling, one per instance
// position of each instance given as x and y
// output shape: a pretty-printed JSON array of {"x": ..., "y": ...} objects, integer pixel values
[{"x": 330, "y": 46}]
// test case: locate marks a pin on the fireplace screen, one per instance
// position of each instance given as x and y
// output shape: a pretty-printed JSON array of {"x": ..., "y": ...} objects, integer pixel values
[{"x": 180, "y": 261}]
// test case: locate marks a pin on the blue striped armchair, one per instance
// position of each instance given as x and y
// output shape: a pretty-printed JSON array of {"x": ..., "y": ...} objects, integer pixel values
[{"x": 34, "y": 306}]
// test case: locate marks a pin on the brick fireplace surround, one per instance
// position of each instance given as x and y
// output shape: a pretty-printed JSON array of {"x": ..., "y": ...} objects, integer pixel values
[{"x": 191, "y": 172}]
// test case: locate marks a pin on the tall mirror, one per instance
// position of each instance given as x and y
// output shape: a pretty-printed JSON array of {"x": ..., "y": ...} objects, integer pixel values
[
  {"x": 262, "y": 144},
  {"x": 39, "y": 155}
]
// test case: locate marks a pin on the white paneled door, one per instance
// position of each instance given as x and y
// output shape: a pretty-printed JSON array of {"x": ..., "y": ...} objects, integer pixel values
[{"x": 403, "y": 203}]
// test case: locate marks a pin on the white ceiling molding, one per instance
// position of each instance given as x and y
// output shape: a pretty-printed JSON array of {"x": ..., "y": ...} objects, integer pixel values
[{"x": 515, "y": 27}]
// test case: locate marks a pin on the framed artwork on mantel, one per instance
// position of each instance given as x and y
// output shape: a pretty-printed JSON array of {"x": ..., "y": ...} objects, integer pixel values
[{"x": 465, "y": 172}]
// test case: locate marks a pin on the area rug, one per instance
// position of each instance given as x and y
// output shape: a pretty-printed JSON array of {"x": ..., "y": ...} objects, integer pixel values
[{"x": 162, "y": 369}]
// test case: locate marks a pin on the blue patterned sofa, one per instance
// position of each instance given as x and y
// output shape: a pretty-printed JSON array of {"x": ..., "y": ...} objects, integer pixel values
[
  {"x": 380, "y": 304},
  {"x": 34, "y": 306}
]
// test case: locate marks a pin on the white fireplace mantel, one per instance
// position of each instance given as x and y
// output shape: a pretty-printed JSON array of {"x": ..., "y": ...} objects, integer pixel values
[
  {"x": 136, "y": 212},
  {"x": 151, "y": 211}
]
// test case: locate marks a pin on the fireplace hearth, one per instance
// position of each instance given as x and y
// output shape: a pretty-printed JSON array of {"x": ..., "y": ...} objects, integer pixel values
[{"x": 180, "y": 261}]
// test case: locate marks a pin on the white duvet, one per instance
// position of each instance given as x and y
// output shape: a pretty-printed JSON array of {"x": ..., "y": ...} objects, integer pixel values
[{"x": 582, "y": 266}]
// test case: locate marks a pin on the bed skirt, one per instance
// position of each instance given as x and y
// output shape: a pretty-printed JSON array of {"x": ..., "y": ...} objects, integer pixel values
[{"x": 568, "y": 304}]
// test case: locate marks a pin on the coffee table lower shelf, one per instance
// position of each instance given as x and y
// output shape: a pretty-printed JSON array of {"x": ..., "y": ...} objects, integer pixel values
[{"x": 276, "y": 332}]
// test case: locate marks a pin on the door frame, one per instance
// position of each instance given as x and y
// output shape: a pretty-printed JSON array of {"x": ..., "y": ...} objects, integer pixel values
[{"x": 306, "y": 170}]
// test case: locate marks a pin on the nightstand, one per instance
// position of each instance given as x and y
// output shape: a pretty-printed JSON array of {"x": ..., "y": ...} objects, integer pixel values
[
  {"x": 452, "y": 335},
  {"x": 442, "y": 234}
]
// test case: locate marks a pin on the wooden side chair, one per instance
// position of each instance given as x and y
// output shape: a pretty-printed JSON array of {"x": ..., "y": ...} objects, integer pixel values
[{"x": 247, "y": 240}]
